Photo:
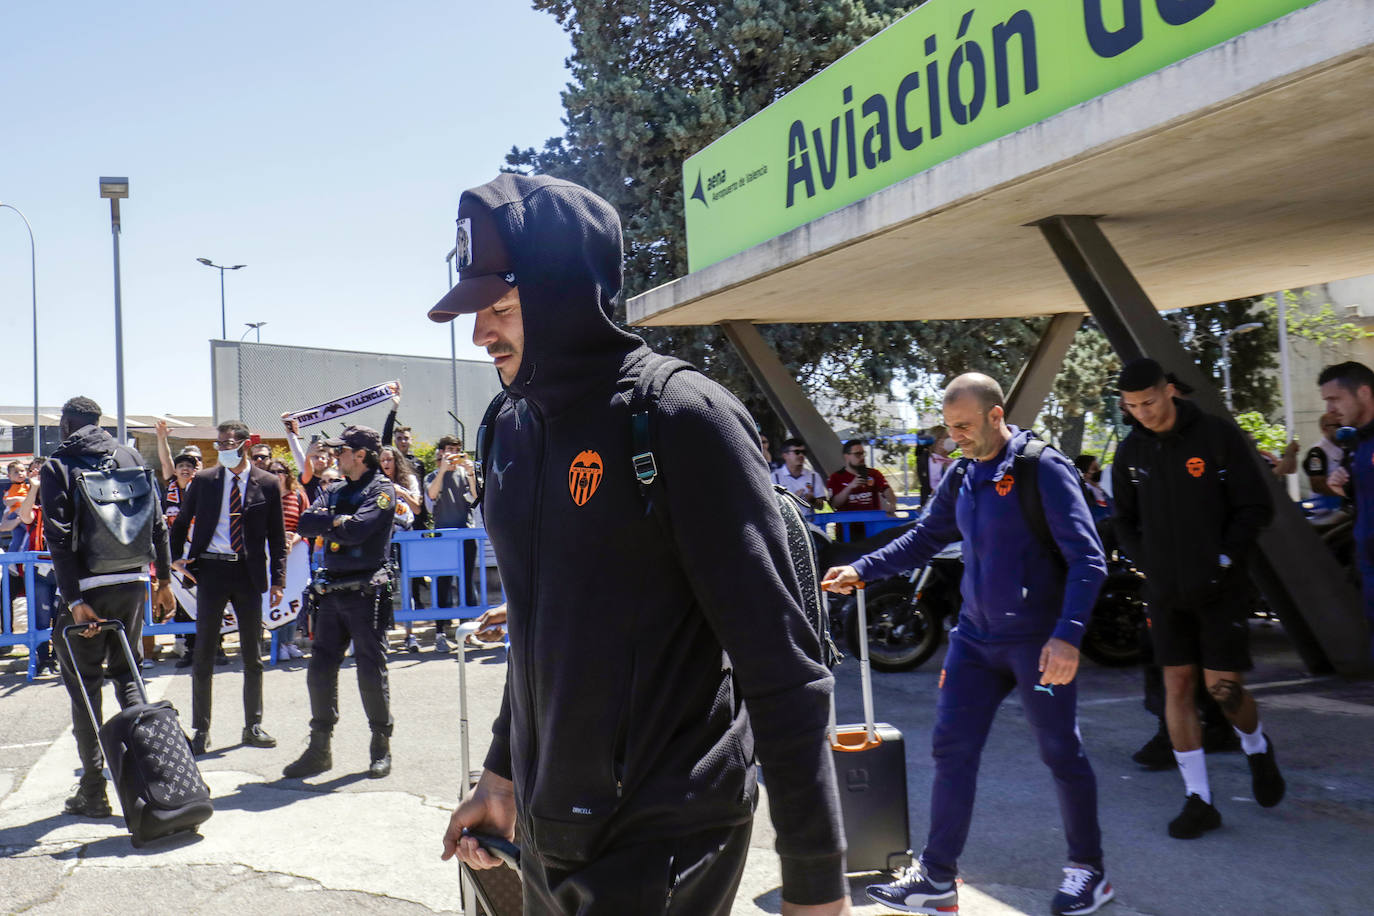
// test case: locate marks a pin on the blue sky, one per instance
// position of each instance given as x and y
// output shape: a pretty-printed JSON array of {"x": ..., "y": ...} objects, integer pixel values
[{"x": 324, "y": 145}]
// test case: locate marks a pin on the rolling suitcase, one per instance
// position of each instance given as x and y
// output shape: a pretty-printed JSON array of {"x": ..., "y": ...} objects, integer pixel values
[
  {"x": 497, "y": 890},
  {"x": 154, "y": 773},
  {"x": 870, "y": 771}
]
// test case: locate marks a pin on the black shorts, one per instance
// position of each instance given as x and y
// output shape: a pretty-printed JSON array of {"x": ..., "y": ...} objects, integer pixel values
[{"x": 1217, "y": 636}]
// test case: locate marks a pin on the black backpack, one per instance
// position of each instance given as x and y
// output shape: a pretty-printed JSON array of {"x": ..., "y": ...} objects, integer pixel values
[
  {"x": 115, "y": 513},
  {"x": 1025, "y": 469},
  {"x": 643, "y": 412}
]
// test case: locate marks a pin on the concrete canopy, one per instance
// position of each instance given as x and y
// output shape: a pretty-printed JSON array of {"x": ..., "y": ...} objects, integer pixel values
[{"x": 1246, "y": 168}]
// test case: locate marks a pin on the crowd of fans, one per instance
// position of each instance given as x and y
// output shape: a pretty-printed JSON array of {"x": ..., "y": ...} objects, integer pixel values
[{"x": 441, "y": 496}]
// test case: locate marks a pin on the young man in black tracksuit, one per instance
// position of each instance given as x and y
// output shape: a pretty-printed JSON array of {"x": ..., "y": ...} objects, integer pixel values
[
  {"x": 1190, "y": 503},
  {"x": 629, "y": 767}
]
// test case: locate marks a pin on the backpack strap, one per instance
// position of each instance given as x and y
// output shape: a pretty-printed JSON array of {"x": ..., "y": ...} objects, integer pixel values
[
  {"x": 653, "y": 376},
  {"x": 485, "y": 431},
  {"x": 1026, "y": 467}
]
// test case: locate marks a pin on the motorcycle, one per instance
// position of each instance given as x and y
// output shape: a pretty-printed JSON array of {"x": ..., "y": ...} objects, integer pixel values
[{"x": 908, "y": 615}]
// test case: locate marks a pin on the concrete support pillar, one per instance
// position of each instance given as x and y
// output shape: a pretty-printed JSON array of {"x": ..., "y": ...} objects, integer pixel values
[
  {"x": 786, "y": 396},
  {"x": 1299, "y": 577},
  {"x": 1033, "y": 384}
]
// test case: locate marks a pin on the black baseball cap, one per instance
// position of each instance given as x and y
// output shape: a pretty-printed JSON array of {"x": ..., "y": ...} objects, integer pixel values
[
  {"x": 357, "y": 437},
  {"x": 185, "y": 458},
  {"x": 485, "y": 271}
]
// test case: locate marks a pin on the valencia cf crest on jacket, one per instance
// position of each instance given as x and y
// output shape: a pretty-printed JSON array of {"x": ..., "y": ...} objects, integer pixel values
[{"x": 584, "y": 476}]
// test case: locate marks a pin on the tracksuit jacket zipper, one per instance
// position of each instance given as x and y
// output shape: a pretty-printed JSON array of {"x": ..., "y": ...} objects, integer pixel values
[{"x": 532, "y": 767}]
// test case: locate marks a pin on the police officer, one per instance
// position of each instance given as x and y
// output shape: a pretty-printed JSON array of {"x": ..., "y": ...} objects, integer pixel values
[{"x": 351, "y": 597}]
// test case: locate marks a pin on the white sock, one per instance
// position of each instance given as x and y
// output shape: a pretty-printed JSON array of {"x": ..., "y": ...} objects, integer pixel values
[
  {"x": 1193, "y": 766},
  {"x": 1255, "y": 742}
]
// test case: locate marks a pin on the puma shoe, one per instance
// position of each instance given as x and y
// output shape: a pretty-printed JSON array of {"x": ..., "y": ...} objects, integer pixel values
[
  {"x": 1083, "y": 890},
  {"x": 910, "y": 891}
]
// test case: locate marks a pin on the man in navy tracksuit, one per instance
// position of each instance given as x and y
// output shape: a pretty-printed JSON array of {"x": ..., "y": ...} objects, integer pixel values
[{"x": 1025, "y": 610}]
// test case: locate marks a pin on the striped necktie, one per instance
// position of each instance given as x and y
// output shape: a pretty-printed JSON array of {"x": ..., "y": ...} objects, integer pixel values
[{"x": 235, "y": 517}]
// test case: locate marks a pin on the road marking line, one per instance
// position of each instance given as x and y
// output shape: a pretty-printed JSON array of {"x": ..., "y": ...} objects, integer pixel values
[{"x": 15, "y": 747}]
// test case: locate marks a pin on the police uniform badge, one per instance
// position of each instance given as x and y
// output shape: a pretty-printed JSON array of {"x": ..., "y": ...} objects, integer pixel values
[{"x": 384, "y": 501}]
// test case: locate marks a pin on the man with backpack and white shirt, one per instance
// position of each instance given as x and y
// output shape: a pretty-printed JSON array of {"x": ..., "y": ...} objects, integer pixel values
[
  {"x": 1033, "y": 565},
  {"x": 800, "y": 480},
  {"x": 89, "y": 598}
]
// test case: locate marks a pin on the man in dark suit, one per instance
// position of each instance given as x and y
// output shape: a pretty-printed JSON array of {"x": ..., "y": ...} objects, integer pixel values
[{"x": 238, "y": 529}]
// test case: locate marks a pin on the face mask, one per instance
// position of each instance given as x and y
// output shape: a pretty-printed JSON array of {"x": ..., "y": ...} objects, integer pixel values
[
  {"x": 229, "y": 459},
  {"x": 950, "y": 445}
]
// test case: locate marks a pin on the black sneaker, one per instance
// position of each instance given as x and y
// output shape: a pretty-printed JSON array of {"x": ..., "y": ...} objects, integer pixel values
[
  {"x": 1196, "y": 819},
  {"x": 1083, "y": 890},
  {"x": 254, "y": 736},
  {"x": 1220, "y": 739},
  {"x": 1157, "y": 753},
  {"x": 200, "y": 743},
  {"x": 1266, "y": 782},
  {"x": 89, "y": 801}
]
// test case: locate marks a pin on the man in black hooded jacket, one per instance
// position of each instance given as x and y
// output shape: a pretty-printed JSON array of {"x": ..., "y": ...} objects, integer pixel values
[
  {"x": 89, "y": 598},
  {"x": 1190, "y": 504},
  {"x": 629, "y": 767}
]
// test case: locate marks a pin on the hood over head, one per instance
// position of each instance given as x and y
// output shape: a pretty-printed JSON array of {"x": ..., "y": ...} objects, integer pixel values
[
  {"x": 563, "y": 245},
  {"x": 88, "y": 440}
]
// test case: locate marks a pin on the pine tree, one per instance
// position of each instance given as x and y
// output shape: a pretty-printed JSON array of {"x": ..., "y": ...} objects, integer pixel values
[{"x": 655, "y": 81}]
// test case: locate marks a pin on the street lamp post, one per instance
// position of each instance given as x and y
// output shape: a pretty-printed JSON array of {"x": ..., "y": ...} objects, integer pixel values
[
  {"x": 116, "y": 189},
  {"x": 223, "y": 327},
  {"x": 253, "y": 326},
  {"x": 1226, "y": 357},
  {"x": 33, "y": 285}
]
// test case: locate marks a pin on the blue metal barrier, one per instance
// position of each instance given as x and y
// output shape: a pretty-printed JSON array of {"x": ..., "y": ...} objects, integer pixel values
[
  {"x": 840, "y": 525},
  {"x": 439, "y": 553},
  {"x": 32, "y": 636}
]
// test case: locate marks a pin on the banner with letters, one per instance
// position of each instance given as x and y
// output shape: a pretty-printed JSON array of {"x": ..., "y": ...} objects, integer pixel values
[
  {"x": 342, "y": 407},
  {"x": 297, "y": 578}
]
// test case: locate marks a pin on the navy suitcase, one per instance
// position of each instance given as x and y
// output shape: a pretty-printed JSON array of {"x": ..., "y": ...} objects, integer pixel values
[
  {"x": 870, "y": 770},
  {"x": 154, "y": 773}
]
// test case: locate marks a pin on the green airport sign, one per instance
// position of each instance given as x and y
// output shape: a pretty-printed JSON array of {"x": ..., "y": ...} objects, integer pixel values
[{"x": 949, "y": 76}]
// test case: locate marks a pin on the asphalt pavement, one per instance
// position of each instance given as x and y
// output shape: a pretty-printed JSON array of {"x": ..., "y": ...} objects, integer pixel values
[{"x": 343, "y": 843}]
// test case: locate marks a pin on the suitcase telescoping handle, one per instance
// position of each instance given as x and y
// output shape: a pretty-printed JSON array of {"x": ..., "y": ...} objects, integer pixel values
[
  {"x": 117, "y": 626},
  {"x": 865, "y": 675}
]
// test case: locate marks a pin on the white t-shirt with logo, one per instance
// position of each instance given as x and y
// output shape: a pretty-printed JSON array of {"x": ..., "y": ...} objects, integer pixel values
[{"x": 808, "y": 485}]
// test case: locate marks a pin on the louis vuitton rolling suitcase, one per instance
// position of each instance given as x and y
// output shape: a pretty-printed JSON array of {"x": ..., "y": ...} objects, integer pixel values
[
  {"x": 870, "y": 771},
  {"x": 154, "y": 773},
  {"x": 498, "y": 891}
]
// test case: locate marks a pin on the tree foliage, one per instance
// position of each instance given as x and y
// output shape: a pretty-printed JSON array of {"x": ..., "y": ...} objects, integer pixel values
[
  {"x": 653, "y": 82},
  {"x": 1253, "y": 355}
]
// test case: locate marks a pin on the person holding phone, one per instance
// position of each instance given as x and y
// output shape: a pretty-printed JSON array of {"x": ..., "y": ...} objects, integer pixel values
[
  {"x": 450, "y": 495},
  {"x": 859, "y": 488}
]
